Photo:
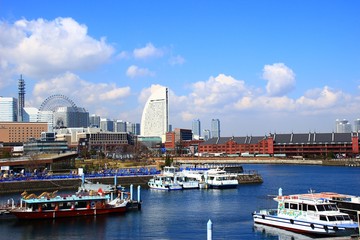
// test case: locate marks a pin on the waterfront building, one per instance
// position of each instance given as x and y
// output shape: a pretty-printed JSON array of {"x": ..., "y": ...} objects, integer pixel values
[
  {"x": 177, "y": 137},
  {"x": 196, "y": 129},
  {"x": 343, "y": 126},
  {"x": 155, "y": 116},
  {"x": 19, "y": 132},
  {"x": 304, "y": 145},
  {"x": 94, "y": 120},
  {"x": 215, "y": 128},
  {"x": 8, "y": 109},
  {"x": 104, "y": 141},
  {"x": 46, "y": 144},
  {"x": 71, "y": 117},
  {"x": 106, "y": 125}
]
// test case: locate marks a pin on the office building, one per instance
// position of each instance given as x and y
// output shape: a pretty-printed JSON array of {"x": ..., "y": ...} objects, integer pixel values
[
  {"x": 19, "y": 132},
  {"x": 120, "y": 126},
  {"x": 357, "y": 125},
  {"x": 155, "y": 116},
  {"x": 106, "y": 125},
  {"x": 215, "y": 128},
  {"x": 94, "y": 121},
  {"x": 196, "y": 129},
  {"x": 8, "y": 109},
  {"x": 71, "y": 117},
  {"x": 206, "y": 134},
  {"x": 343, "y": 126}
]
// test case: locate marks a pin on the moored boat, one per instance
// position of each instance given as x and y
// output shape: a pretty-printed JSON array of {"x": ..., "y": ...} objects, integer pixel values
[
  {"x": 59, "y": 206},
  {"x": 162, "y": 182},
  {"x": 220, "y": 179},
  {"x": 307, "y": 215}
]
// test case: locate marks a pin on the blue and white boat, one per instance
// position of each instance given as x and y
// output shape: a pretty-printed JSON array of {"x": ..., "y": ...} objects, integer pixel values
[{"x": 307, "y": 215}]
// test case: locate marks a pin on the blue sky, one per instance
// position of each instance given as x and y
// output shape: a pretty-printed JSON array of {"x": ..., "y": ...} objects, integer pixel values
[{"x": 258, "y": 66}]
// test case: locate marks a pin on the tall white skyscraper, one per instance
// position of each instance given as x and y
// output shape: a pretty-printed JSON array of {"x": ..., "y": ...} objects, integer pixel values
[
  {"x": 343, "y": 126},
  {"x": 215, "y": 128},
  {"x": 8, "y": 109},
  {"x": 196, "y": 129},
  {"x": 155, "y": 116}
]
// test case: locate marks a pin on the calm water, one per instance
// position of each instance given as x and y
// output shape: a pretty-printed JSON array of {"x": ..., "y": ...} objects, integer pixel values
[{"x": 184, "y": 214}]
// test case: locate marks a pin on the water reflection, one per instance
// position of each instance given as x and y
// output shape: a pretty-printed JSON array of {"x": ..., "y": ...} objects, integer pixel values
[{"x": 272, "y": 233}]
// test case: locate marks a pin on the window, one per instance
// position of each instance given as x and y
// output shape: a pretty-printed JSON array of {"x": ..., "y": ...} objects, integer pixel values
[
  {"x": 323, "y": 218},
  {"x": 311, "y": 208},
  {"x": 293, "y": 206}
]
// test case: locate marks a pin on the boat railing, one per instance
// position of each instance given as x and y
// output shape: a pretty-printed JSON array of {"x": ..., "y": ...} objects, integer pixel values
[{"x": 272, "y": 212}]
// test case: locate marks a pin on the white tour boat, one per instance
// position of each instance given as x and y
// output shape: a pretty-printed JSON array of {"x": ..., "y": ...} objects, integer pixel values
[
  {"x": 218, "y": 178},
  {"x": 163, "y": 182},
  {"x": 307, "y": 215}
]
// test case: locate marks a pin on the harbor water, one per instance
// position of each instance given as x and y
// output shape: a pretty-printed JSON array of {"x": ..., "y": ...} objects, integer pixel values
[{"x": 185, "y": 214}]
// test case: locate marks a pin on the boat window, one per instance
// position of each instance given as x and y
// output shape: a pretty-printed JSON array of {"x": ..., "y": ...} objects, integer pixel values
[
  {"x": 323, "y": 218},
  {"x": 320, "y": 208},
  {"x": 332, "y": 218},
  {"x": 293, "y": 206},
  {"x": 311, "y": 208},
  {"x": 286, "y": 205},
  {"x": 346, "y": 217},
  {"x": 340, "y": 218},
  {"x": 331, "y": 207}
]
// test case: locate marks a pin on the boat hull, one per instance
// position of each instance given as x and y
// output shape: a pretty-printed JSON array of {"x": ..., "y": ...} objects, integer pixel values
[
  {"x": 304, "y": 227},
  {"x": 67, "y": 213}
]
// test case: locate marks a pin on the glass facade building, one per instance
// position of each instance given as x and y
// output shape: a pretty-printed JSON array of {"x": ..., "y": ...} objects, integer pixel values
[
  {"x": 196, "y": 129},
  {"x": 8, "y": 109},
  {"x": 215, "y": 128}
]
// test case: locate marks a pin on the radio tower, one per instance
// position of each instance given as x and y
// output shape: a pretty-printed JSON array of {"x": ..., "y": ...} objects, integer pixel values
[{"x": 21, "y": 102}]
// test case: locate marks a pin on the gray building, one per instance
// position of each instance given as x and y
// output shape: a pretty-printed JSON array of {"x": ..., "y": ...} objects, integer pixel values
[
  {"x": 71, "y": 117},
  {"x": 94, "y": 121},
  {"x": 343, "y": 126},
  {"x": 120, "y": 126},
  {"x": 196, "y": 129},
  {"x": 215, "y": 128},
  {"x": 106, "y": 125}
]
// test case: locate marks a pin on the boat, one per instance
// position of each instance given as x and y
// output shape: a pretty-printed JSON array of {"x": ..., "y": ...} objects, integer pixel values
[
  {"x": 51, "y": 205},
  {"x": 220, "y": 179},
  {"x": 163, "y": 182},
  {"x": 346, "y": 203},
  {"x": 186, "y": 182},
  {"x": 307, "y": 215}
]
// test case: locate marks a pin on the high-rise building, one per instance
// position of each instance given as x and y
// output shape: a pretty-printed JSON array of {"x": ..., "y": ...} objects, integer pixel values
[
  {"x": 357, "y": 125},
  {"x": 133, "y": 128},
  {"x": 30, "y": 114},
  {"x": 207, "y": 134},
  {"x": 196, "y": 129},
  {"x": 94, "y": 120},
  {"x": 8, "y": 109},
  {"x": 120, "y": 126},
  {"x": 155, "y": 116},
  {"x": 21, "y": 101},
  {"x": 215, "y": 128},
  {"x": 343, "y": 126},
  {"x": 106, "y": 125},
  {"x": 71, "y": 117}
]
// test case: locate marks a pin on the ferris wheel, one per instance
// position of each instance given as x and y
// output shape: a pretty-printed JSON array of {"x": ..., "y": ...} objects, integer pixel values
[{"x": 50, "y": 106}]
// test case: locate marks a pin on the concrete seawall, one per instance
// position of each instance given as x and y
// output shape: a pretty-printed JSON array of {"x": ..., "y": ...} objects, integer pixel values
[{"x": 66, "y": 184}]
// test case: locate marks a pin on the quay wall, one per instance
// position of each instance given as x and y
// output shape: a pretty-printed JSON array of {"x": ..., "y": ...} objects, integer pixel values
[{"x": 66, "y": 184}]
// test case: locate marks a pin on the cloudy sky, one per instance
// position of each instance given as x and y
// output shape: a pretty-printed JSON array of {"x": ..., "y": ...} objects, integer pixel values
[{"x": 258, "y": 66}]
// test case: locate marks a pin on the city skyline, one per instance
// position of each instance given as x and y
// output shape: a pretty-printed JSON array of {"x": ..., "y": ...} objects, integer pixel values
[{"x": 258, "y": 66}]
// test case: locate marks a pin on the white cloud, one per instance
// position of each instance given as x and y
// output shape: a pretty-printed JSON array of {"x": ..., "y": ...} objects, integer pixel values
[
  {"x": 146, "y": 93},
  {"x": 39, "y": 48},
  {"x": 148, "y": 51},
  {"x": 177, "y": 60},
  {"x": 82, "y": 92},
  {"x": 134, "y": 71},
  {"x": 281, "y": 79}
]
